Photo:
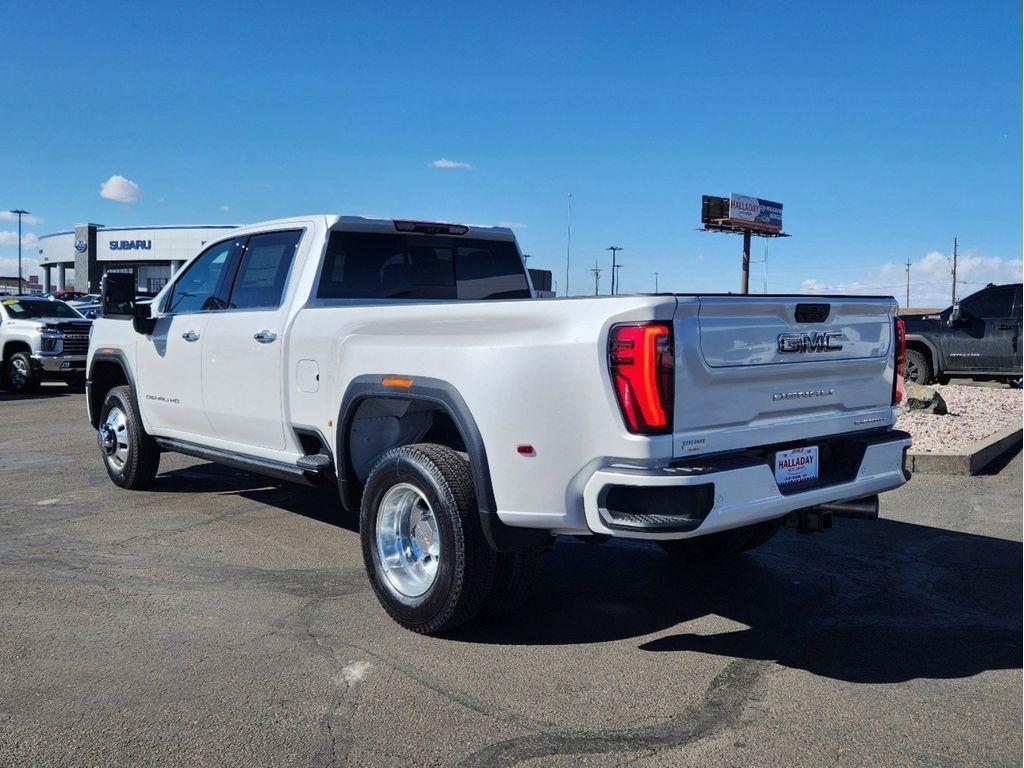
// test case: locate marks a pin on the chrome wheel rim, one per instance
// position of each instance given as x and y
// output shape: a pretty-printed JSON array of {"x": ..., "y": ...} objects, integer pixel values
[
  {"x": 19, "y": 373},
  {"x": 113, "y": 438},
  {"x": 408, "y": 541}
]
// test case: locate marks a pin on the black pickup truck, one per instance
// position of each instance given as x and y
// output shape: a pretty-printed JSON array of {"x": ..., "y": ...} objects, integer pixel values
[{"x": 979, "y": 337}]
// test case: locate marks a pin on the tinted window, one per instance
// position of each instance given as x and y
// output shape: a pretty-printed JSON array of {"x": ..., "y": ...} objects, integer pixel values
[
  {"x": 200, "y": 286},
  {"x": 263, "y": 270},
  {"x": 362, "y": 265},
  {"x": 34, "y": 309},
  {"x": 991, "y": 303}
]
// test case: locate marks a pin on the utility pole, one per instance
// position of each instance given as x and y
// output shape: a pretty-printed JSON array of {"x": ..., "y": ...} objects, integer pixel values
[
  {"x": 615, "y": 274},
  {"x": 19, "y": 212},
  {"x": 907, "y": 283},
  {"x": 745, "y": 283},
  {"x": 568, "y": 239},
  {"x": 655, "y": 282},
  {"x": 597, "y": 279},
  {"x": 614, "y": 249},
  {"x": 954, "y": 271}
]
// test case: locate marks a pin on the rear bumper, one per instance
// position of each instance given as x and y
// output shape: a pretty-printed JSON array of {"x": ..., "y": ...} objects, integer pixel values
[{"x": 727, "y": 492}]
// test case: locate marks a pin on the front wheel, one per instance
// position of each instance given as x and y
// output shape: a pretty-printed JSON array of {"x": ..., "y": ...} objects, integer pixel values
[
  {"x": 19, "y": 376},
  {"x": 423, "y": 547},
  {"x": 131, "y": 456},
  {"x": 918, "y": 370}
]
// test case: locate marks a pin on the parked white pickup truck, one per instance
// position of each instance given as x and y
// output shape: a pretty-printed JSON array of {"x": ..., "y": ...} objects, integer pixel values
[
  {"x": 469, "y": 422},
  {"x": 41, "y": 339}
]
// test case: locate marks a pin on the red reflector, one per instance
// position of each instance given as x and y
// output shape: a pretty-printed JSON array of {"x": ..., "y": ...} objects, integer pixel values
[
  {"x": 525, "y": 450},
  {"x": 642, "y": 365},
  {"x": 900, "y": 336},
  {"x": 430, "y": 227}
]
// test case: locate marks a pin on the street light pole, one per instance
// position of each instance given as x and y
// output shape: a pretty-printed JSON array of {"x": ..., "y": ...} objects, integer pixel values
[
  {"x": 20, "y": 213},
  {"x": 614, "y": 249},
  {"x": 655, "y": 282},
  {"x": 568, "y": 239}
]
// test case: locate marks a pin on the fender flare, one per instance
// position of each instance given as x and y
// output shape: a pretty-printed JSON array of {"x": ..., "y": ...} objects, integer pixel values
[
  {"x": 932, "y": 349},
  {"x": 117, "y": 357},
  {"x": 501, "y": 537}
]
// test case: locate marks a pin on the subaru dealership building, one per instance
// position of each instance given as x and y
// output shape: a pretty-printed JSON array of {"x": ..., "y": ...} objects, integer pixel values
[{"x": 153, "y": 254}]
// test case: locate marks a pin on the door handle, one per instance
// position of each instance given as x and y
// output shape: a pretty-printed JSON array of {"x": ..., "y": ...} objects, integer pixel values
[
  {"x": 190, "y": 336},
  {"x": 265, "y": 337},
  {"x": 1005, "y": 327}
]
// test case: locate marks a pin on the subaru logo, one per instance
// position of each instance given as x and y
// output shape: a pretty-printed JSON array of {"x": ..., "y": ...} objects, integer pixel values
[
  {"x": 810, "y": 342},
  {"x": 81, "y": 245}
]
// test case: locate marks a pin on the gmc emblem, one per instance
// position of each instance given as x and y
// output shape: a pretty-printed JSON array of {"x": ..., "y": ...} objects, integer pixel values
[{"x": 810, "y": 342}]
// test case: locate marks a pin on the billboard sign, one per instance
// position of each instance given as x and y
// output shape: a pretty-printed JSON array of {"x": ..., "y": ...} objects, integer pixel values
[{"x": 754, "y": 213}]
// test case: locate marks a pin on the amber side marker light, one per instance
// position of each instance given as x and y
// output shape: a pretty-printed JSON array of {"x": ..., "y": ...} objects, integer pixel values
[{"x": 396, "y": 382}]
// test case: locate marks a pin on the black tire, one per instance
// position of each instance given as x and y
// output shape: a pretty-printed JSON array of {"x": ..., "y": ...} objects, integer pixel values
[
  {"x": 514, "y": 576},
  {"x": 712, "y": 546},
  {"x": 19, "y": 377},
  {"x": 761, "y": 533},
  {"x": 918, "y": 369},
  {"x": 136, "y": 467},
  {"x": 465, "y": 562}
]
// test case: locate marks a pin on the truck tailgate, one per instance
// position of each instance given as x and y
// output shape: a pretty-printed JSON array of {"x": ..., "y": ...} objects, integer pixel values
[{"x": 755, "y": 370}]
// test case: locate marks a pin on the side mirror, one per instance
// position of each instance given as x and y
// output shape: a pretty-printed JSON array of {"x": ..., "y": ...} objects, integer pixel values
[
  {"x": 143, "y": 321},
  {"x": 955, "y": 315},
  {"x": 118, "y": 295},
  {"x": 92, "y": 314}
]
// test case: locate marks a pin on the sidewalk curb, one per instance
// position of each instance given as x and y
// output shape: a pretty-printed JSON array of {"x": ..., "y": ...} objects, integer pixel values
[{"x": 973, "y": 460}]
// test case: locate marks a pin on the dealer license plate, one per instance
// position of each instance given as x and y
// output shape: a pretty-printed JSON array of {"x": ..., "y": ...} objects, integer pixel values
[{"x": 796, "y": 465}]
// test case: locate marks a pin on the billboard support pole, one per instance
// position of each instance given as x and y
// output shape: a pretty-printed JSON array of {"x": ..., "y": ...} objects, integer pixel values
[{"x": 745, "y": 284}]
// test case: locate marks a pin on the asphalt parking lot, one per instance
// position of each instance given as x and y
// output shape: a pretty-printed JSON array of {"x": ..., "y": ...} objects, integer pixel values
[{"x": 223, "y": 619}]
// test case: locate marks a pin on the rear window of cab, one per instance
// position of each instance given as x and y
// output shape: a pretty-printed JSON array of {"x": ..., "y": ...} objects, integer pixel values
[{"x": 364, "y": 265}]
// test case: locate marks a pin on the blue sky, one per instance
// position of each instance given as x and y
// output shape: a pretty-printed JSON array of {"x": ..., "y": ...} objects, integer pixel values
[{"x": 884, "y": 128}]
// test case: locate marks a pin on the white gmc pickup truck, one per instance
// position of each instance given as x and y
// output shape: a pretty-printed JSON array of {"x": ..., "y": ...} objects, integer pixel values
[{"x": 468, "y": 422}]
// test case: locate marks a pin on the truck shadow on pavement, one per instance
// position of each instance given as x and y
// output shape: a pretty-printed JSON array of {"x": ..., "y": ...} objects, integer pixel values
[
  {"x": 879, "y": 602},
  {"x": 44, "y": 393},
  {"x": 321, "y": 504},
  {"x": 869, "y": 602}
]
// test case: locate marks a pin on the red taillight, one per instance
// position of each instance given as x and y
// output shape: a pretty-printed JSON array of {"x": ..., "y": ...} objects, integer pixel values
[
  {"x": 641, "y": 362},
  {"x": 901, "y": 362}
]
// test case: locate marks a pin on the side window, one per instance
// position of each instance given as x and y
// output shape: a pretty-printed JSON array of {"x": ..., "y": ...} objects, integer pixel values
[
  {"x": 991, "y": 304},
  {"x": 200, "y": 287},
  {"x": 263, "y": 271}
]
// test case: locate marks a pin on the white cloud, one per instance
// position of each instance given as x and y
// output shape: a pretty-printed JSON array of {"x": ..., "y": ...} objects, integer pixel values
[
  {"x": 9, "y": 267},
  {"x": 28, "y": 240},
  {"x": 25, "y": 219},
  {"x": 512, "y": 224},
  {"x": 444, "y": 162},
  {"x": 931, "y": 278},
  {"x": 225, "y": 208},
  {"x": 120, "y": 189}
]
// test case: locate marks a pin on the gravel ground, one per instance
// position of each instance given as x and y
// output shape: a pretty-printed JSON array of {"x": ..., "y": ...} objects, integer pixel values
[{"x": 974, "y": 414}]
